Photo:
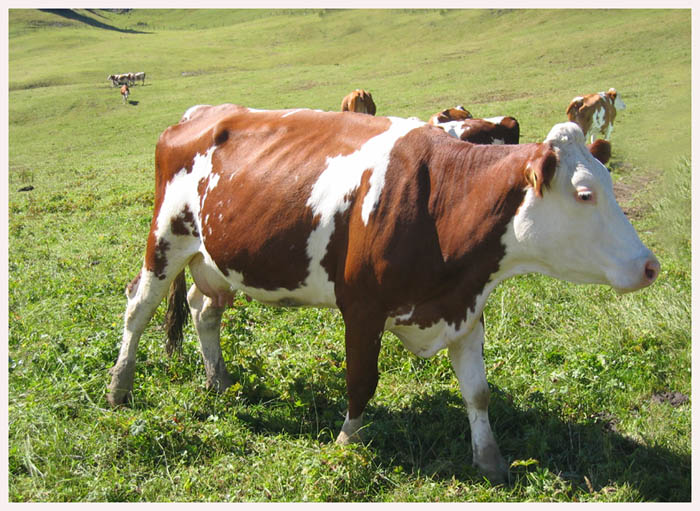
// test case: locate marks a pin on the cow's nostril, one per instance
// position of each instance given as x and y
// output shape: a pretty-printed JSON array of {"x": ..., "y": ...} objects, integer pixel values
[{"x": 651, "y": 270}]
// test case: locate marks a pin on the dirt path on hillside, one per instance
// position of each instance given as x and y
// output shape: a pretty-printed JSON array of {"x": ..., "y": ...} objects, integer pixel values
[{"x": 627, "y": 189}]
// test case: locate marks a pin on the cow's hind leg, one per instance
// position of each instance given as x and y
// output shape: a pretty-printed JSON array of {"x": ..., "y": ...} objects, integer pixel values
[
  {"x": 206, "y": 315},
  {"x": 166, "y": 256},
  {"x": 466, "y": 356},
  {"x": 144, "y": 294}
]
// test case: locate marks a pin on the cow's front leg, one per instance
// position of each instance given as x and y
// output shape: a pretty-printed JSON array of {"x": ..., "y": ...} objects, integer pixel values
[
  {"x": 467, "y": 358},
  {"x": 363, "y": 335},
  {"x": 207, "y": 321}
]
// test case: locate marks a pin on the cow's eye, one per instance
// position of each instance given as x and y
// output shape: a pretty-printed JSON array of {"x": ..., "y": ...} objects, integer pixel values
[{"x": 584, "y": 195}]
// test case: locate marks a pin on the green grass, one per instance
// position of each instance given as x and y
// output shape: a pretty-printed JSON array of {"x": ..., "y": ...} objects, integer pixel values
[{"x": 573, "y": 369}]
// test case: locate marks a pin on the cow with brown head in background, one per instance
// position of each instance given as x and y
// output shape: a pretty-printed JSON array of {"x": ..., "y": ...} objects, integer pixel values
[
  {"x": 359, "y": 101},
  {"x": 595, "y": 113}
]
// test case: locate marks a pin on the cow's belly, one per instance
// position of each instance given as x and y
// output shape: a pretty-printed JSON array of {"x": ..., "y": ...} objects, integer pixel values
[
  {"x": 317, "y": 290},
  {"x": 425, "y": 342}
]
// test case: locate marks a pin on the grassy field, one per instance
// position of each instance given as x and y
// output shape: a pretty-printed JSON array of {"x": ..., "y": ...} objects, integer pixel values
[{"x": 590, "y": 390}]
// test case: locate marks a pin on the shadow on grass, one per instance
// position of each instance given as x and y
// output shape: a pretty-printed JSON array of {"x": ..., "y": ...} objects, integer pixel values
[
  {"x": 72, "y": 15},
  {"x": 431, "y": 435}
]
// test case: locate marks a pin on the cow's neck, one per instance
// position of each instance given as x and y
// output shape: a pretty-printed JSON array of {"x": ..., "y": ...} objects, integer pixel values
[{"x": 474, "y": 207}]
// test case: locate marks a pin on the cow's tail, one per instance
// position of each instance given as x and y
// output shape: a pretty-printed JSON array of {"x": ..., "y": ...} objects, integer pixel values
[{"x": 177, "y": 314}]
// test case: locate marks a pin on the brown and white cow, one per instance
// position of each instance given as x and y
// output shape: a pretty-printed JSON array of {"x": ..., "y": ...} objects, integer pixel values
[
  {"x": 140, "y": 76},
  {"x": 595, "y": 113},
  {"x": 458, "y": 113},
  {"x": 493, "y": 130},
  {"x": 359, "y": 101},
  {"x": 121, "y": 79},
  {"x": 125, "y": 92},
  {"x": 394, "y": 222},
  {"x": 601, "y": 149}
]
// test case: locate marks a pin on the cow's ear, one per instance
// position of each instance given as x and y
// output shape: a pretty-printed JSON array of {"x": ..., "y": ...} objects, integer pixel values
[{"x": 540, "y": 169}]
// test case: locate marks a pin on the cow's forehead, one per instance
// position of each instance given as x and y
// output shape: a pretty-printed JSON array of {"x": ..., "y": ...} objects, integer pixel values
[{"x": 575, "y": 159}]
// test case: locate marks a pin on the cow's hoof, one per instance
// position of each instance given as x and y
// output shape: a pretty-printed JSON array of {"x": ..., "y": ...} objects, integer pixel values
[
  {"x": 491, "y": 464},
  {"x": 496, "y": 472},
  {"x": 219, "y": 382},
  {"x": 350, "y": 432},
  {"x": 345, "y": 439},
  {"x": 121, "y": 384},
  {"x": 117, "y": 397}
]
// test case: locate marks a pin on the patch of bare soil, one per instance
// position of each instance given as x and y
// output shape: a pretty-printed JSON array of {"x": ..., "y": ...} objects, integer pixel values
[
  {"x": 627, "y": 188},
  {"x": 675, "y": 399}
]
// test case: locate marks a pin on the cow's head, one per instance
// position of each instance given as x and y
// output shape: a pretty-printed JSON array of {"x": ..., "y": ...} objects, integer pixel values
[
  {"x": 615, "y": 99},
  {"x": 574, "y": 228}
]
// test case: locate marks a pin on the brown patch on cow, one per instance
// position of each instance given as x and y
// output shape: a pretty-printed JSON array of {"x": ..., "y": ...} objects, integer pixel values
[
  {"x": 256, "y": 234},
  {"x": 156, "y": 253},
  {"x": 184, "y": 224},
  {"x": 133, "y": 286}
]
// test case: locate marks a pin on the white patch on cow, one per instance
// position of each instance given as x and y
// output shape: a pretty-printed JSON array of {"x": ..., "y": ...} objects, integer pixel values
[
  {"x": 598, "y": 120},
  {"x": 292, "y": 112},
  {"x": 426, "y": 341},
  {"x": 213, "y": 181},
  {"x": 181, "y": 193},
  {"x": 343, "y": 174},
  {"x": 495, "y": 120},
  {"x": 454, "y": 128},
  {"x": 190, "y": 112},
  {"x": 498, "y": 141}
]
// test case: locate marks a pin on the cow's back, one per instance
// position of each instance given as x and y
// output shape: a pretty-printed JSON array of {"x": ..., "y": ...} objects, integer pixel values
[{"x": 278, "y": 184}]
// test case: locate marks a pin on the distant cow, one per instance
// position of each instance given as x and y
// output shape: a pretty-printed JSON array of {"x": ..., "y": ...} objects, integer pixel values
[
  {"x": 493, "y": 130},
  {"x": 601, "y": 150},
  {"x": 359, "y": 101},
  {"x": 125, "y": 92},
  {"x": 140, "y": 76},
  {"x": 394, "y": 222},
  {"x": 458, "y": 113},
  {"x": 121, "y": 79},
  {"x": 595, "y": 113}
]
